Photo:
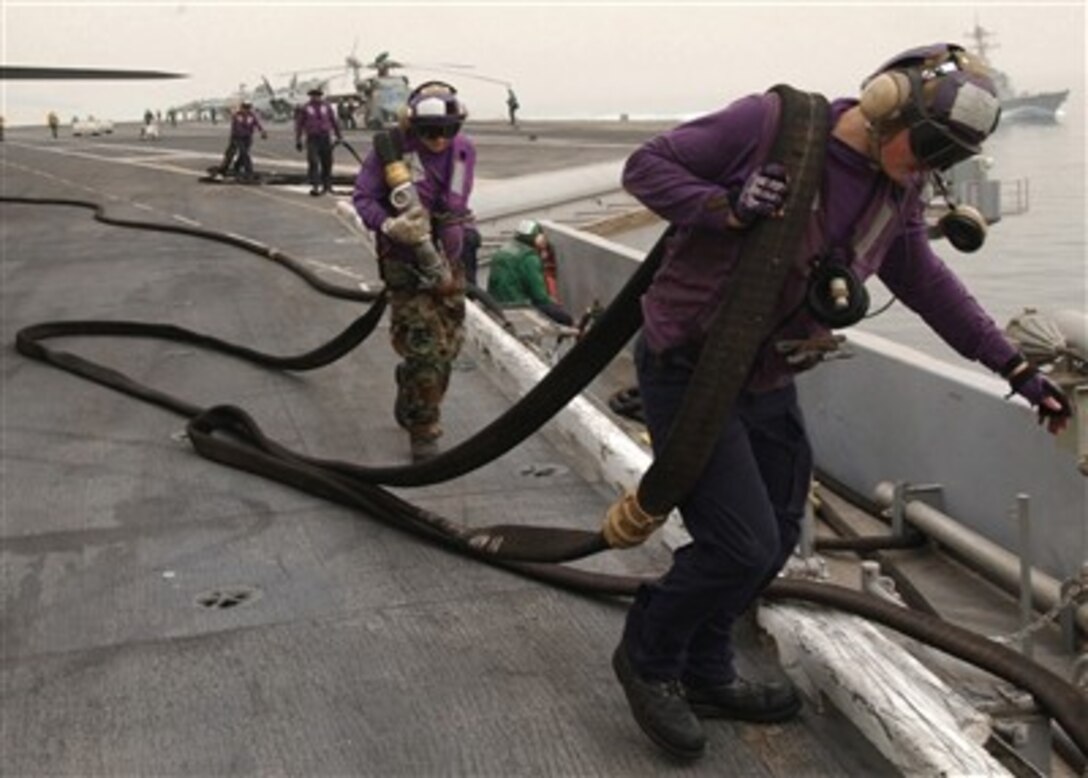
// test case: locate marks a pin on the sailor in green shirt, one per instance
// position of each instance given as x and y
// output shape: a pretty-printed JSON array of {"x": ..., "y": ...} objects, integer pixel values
[{"x": 516, "y": 275}]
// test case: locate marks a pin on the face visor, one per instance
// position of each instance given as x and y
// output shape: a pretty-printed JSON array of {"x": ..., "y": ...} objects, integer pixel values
[
  {"x": 435, "y": 131},
  {"x": 936, "y": 148},
  {"x": 953, "y": 120}
]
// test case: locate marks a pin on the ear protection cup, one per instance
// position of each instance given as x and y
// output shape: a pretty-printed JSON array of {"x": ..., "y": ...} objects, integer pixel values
[
  {"x": 884, "y": 95},
  {"x": 965, "y": 228}
]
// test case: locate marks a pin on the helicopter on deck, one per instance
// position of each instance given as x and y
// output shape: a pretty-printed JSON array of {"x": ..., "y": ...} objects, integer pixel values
[
  {"x": 280, "y": 104},
  {"x": 378, "y": 97},
  {"x": 276, "y": 104}
]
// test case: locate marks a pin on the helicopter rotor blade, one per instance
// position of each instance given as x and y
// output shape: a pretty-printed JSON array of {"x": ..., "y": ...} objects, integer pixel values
[
  {"x": 302, "y": 71},
  {"x": 462, "y": 74},
  {"x": 16, "y": 72}
]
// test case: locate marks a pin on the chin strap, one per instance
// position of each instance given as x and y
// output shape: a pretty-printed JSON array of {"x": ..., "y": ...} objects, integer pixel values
[{"x": 876, "y": 148}]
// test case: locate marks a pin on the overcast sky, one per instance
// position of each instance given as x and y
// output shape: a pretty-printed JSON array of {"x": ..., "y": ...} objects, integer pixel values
[{"x": 585, "y": 60}]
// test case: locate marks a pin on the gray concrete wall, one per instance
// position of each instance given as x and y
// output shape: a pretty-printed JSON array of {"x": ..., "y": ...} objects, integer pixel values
[
  {"x": 892, "y": 413},
  {"x": 591, "y": 268}
]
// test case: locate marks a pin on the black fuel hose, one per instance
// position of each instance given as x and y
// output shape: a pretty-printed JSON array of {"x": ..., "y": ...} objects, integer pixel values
[
  {"x": 564, "y": 381},
  {"x": 1060, "y": 698},
  {"x": 504, "y": 542},
  {"x": 742, "y": 323},
  {"x": 216, "y": 176},
  {"x": 217, "y": 425},
  {"x": 231, "y": 239},
  {"x": 585, "y": 360}
]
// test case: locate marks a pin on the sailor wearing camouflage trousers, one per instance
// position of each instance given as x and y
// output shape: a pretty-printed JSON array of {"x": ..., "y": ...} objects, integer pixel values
[{"x": 428, "y": 313}]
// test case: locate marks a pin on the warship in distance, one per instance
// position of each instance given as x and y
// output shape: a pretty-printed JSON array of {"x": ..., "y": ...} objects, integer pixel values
[{"x": 1023, "y": 106}]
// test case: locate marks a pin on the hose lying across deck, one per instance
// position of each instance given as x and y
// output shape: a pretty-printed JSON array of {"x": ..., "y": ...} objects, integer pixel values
[{"x": 228, "y": 435}]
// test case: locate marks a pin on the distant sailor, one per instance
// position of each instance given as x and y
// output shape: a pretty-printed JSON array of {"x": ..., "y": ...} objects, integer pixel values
[
  {"x": 512, "y": 106},
  {"x": 716, "y": 180},
  {"x": 427, "y": 301},
  {"x": 243, "y": 123},
  {"x": 316, "y": 122}
]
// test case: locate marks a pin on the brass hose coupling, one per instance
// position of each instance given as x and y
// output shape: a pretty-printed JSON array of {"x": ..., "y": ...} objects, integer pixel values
[{"x": 627, "y": 525}]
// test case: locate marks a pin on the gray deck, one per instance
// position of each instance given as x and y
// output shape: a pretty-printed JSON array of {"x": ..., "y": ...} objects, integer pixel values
[{"x": 355, "y": 649}]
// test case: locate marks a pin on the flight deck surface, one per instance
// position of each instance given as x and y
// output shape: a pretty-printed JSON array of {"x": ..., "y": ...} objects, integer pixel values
[{"x": 165, "y": 615}]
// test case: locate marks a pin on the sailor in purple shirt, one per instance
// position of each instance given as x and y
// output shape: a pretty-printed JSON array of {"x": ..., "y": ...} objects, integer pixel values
[
  {"x": 427, "y": 303},
  {"x": 923, "y": 111},
  {"x": 316, "y": 121},
  {"x": 243, "y": 123}
]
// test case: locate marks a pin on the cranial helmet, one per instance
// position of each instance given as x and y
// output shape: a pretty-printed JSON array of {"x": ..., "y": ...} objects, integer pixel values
[
  {"x": 527, "y": 231},
  {"x": 945, "y": 97},
  {"x": 435, "y": 104}
]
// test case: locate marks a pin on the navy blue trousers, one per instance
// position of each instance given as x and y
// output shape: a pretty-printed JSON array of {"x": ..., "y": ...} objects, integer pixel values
[
  {"x": 238, "y": 147},
  {"x": 744, "y": 515},
  {"x": 319, "y": 161}
]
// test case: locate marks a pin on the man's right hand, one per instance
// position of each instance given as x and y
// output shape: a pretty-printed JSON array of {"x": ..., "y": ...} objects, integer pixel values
[
  {"x": 298, "y": 145},
  {"x": 410, "y": 228}
]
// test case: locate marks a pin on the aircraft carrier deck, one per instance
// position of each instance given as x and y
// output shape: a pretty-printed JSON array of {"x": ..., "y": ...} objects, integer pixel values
[{"x": 164, "y": 615}]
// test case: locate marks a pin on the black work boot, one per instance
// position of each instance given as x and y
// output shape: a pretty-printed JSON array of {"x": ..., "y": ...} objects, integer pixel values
[
  {"x": 660, "y": 709},
  {"x": 745, "y": 700}
]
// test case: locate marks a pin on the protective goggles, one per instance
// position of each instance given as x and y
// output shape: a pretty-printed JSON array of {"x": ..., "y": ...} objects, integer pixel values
[
  {"x": 933, "y": 144},
  {"x": 936, "y": 148},
  {"x": 433, "y": 131}
]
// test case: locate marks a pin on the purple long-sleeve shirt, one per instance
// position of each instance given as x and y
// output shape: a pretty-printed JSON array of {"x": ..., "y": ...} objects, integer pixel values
[
  {"x": 444, "y": 182},
  {"x": 683, "y": 175},
  {"x": 316, "y": 117},
  {"x": 244, "y": 123}
]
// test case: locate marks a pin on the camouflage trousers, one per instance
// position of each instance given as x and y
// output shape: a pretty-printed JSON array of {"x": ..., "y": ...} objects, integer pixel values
[{"x": 427, "y": 330}]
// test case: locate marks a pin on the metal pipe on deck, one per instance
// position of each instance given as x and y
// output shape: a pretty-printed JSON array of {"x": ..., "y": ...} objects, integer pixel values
[{"x": 1000, "y": 565}]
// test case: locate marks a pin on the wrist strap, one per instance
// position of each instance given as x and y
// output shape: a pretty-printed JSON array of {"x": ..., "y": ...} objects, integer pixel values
[{"x": 1018, "y": 371}]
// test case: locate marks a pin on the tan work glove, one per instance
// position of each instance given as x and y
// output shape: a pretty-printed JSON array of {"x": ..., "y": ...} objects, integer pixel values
[
  {"x": 626, "y": 524},
  {"x": 410, "y": 228}
]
